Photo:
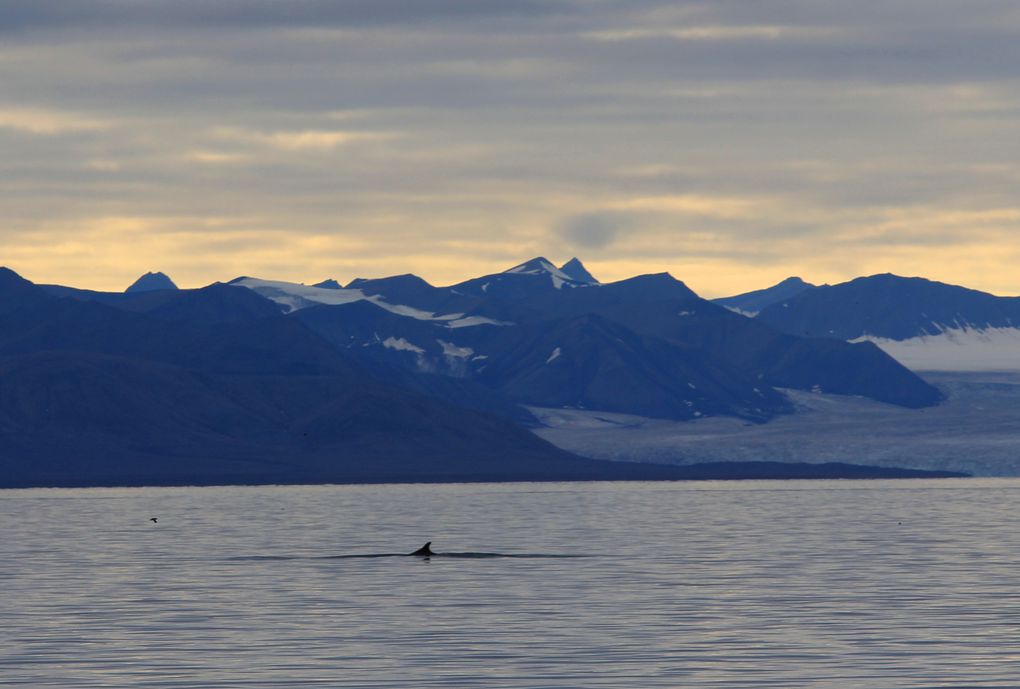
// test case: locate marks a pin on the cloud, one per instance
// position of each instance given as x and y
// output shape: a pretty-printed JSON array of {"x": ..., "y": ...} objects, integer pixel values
[
  {"x": 170, "y": 14},
  {"x": 215, "y": 157},
  {"x": 304, "y": 139},
  {"x": 730, "y": 141},
  {"x": 714, "y": 33},
  {"x": 712, "y": 206},
  {"x": 595, "y": 230},
  {"x": 47, "y": 121}
]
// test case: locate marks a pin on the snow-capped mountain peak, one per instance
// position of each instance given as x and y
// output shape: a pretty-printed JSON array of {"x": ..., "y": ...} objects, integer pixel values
[
  {"x": 543, "y": 266},
  {"x": 536, "y": 266}
]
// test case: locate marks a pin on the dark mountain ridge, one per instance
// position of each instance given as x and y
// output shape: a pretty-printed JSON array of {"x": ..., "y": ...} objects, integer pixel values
[
  {"x": 751, "y": 303},
  {"x": 150, "y": 282},
  {"x": 890, "y": 306}
]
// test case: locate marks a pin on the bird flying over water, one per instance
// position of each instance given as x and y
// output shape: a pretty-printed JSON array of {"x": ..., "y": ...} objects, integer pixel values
[{"x": 152, "y": 519}]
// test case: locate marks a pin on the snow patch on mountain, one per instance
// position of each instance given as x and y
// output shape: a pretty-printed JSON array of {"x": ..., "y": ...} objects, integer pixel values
[
  {"x": 400, "y": 310},
  {"x": 295, "y": 296},
  {"x": 471, "y": 321},
  {"x": 401, "y": 344},
  {"x": 956, "y": 349},
  {"x": 450, "y": 349},
  {"x": 539, "y": 266}
]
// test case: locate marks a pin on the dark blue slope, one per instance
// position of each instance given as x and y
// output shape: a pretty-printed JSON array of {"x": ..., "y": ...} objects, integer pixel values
[
  {"x": 591, "y": 362},
  {"x": 411, "y": 353},
  {"x": 94, "y": 395},
  {"x": 751, "y": 348},
  {"x": 604, "y": 365}
]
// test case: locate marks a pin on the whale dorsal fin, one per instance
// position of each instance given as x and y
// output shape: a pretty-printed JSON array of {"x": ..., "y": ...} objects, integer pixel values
[{"x": 424, "y": 551}]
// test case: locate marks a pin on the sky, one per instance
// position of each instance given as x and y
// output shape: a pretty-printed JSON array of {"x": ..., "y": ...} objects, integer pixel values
[{"x": 731, "y": 143}]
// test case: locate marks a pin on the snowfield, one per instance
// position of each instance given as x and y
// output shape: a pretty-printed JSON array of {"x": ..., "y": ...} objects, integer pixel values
[
  {"x": 976, "y": 430},
  {"x": 294, "y": 296}
]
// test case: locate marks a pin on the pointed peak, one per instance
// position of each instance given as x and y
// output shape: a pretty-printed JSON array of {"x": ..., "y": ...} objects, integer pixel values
[
  {"x": 151, "y": 282},
  {"x": 539, "y": 264},
  {"x": 328, "y": 284},
  {"x": 575, "y": 270}
]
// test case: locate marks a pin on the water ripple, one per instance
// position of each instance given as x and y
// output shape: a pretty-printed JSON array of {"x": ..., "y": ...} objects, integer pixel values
[{"x": 753, "y": 584}]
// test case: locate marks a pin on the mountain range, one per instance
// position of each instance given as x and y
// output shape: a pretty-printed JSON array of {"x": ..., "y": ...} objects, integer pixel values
[
  {"x": 925, "y": 324},
  {"x": 258, "y": 380},
  {"x": 539, "y": 336}
]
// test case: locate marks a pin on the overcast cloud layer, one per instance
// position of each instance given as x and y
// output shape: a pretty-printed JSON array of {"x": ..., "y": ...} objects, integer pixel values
[{"x": 731, "y": 143}]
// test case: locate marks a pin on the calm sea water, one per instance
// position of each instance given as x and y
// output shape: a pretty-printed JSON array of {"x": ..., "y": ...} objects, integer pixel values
[{"x": 747, "y": 584}]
